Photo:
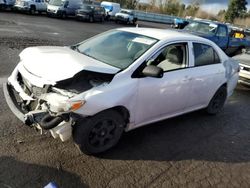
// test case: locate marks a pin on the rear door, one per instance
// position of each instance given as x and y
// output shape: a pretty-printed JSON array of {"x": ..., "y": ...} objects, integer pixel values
[{"x": 208, "y": 74}]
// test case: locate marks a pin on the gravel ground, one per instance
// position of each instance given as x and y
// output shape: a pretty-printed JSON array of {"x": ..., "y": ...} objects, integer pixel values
[{"x": 193, "y": 150}]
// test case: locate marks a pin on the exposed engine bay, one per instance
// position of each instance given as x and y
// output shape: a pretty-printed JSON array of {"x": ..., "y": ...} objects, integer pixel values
[{"x": 50, "y": 108}]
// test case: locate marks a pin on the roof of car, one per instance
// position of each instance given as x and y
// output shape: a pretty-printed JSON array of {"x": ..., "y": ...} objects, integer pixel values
[{"x": 162, "y": 34}]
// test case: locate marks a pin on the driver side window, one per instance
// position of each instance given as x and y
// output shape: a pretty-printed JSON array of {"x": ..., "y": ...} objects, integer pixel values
[
  {"x": 222, "y": 32},
  {"x": 171, "y": 57}
]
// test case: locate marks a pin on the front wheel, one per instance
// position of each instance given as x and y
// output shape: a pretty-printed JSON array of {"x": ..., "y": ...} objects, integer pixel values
[
  {"x": 91, "y": 19},
  {"x": 32, "y": 10},
  {"x": 98, "y": 133},
  {"x": 128, "y": 21},
  {"x": 63, "y": 15},
  {"x": 218, "y": 101},
  {"x": 102, "y": 19}
]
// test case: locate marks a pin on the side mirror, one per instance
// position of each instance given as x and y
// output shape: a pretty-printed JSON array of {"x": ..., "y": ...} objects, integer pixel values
[{"x": 153, "y": 71}]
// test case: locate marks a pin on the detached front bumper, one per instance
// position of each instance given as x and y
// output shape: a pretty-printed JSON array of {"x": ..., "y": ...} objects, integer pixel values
[
  {"x": 9, "y": 94},
  {"x": 61, "y": 129}
]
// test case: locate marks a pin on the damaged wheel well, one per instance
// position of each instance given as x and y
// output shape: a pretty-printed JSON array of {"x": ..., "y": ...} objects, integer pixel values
[{"x": 123, "y": 111}]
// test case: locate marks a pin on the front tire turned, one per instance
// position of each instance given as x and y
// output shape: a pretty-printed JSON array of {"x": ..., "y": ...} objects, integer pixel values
[
  {"x": 217, "y": 102},
  {"x": 98, "y": 133}
]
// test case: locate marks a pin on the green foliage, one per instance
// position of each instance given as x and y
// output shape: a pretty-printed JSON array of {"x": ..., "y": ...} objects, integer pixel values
[{"x": 236, "y": 9}]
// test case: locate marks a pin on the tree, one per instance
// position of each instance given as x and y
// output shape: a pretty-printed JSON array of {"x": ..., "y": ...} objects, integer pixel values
[
  {"x": 236, "y": 9},
  {"x": 221, "y": 15}
]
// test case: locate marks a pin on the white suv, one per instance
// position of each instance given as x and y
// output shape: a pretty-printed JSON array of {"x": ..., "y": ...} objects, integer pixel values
[
  {"x": 118, "y": 81},
  {"x": 31, "y": 6}
]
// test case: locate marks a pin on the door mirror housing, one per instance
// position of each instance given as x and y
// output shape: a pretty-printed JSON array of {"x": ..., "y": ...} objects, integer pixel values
[{"x": 153, "y": 71}]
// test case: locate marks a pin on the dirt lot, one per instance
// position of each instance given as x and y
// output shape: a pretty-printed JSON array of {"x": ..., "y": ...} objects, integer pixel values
[{"x": 194, "y": 150}]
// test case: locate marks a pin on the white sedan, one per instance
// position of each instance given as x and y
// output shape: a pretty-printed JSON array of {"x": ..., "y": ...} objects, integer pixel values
[{"x": 118, "y": 81}]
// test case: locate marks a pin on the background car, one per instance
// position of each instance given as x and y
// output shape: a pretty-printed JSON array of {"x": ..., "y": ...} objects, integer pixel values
[
  {"x": 126, "y": 16},
  {"x": 31, "y": 6},
  {"x": 4, "y": 4},
  {"x": 91, "y": 13},
  {"x": 244, "y": 60},
  {"x": 63, "y": 8},
  {"x": 220, "y": 34},
  {"x": 111, "y": 9},
  {"x": 180, "y": 23}
]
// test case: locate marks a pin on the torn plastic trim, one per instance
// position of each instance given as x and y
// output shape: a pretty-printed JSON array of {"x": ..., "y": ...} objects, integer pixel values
[
  {"x": 14, "y": 82},
  {"x": 45, "y": 120}
]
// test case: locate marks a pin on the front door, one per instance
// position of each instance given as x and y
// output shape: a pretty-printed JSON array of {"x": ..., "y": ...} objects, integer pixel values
[
  {"x": 222, "y": 37},
  {"x": 163, "y": 97}
]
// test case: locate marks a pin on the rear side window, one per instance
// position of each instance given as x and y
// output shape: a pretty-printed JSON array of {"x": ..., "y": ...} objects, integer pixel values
[{"x": 205, "y": 55}]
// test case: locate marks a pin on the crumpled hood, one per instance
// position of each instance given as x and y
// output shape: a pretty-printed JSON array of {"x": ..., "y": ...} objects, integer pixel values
[
  {"x": 60, "y": 63},
  {"x": 122, "y": 14}
]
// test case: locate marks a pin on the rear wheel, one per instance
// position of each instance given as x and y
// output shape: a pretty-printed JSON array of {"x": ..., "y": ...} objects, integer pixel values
[
  {"x": 218, "y": 101},
  {"x": 99, "y": 133},
  {"x": 102, "y": 19},
  {"x": 91, "y": 19},
  {"x": 63, "y": 15},
  {"x": 128, "y": 22},
  {"x": 32, "y": 10}
]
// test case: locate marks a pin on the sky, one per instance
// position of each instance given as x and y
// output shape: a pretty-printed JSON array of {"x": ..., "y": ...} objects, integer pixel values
[{"x": 213, "y": 6}]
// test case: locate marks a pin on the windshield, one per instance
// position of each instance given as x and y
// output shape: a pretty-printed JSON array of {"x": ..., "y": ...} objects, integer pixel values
[
  {"x": 56, "y": 2},
  {"x": 116, "y": 48},
  {"x": 206, "y": 28}
]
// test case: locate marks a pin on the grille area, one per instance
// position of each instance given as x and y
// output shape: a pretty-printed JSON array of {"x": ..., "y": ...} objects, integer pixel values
[{"x": 28, "y": 88}]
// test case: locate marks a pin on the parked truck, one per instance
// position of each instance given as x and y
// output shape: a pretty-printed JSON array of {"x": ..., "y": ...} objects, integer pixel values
[
  {"x": 31, "y": 6},
  {"x": 219, "y": 33},
  {"x": 111, "y": 9}
]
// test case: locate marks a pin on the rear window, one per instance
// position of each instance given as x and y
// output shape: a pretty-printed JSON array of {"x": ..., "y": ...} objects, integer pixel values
[{"x": 205, "y": 55}]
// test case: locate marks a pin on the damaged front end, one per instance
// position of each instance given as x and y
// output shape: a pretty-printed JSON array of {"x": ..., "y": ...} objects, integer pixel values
[{"x": 49, "y": 105}]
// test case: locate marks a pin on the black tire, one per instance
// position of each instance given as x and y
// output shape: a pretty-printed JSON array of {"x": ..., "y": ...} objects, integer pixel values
[
  {"x": 91, "y": 19},
  {"x": 98, "y": 133},
  {"x": 217, "y": 102},
  {"x": 32, "y": 10},
  {"x": 128, "y": 22},
  {"x": 134, "y": 21},
  {"x": 63, "y": 15},
  {"x": 102, "y": 19}
]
